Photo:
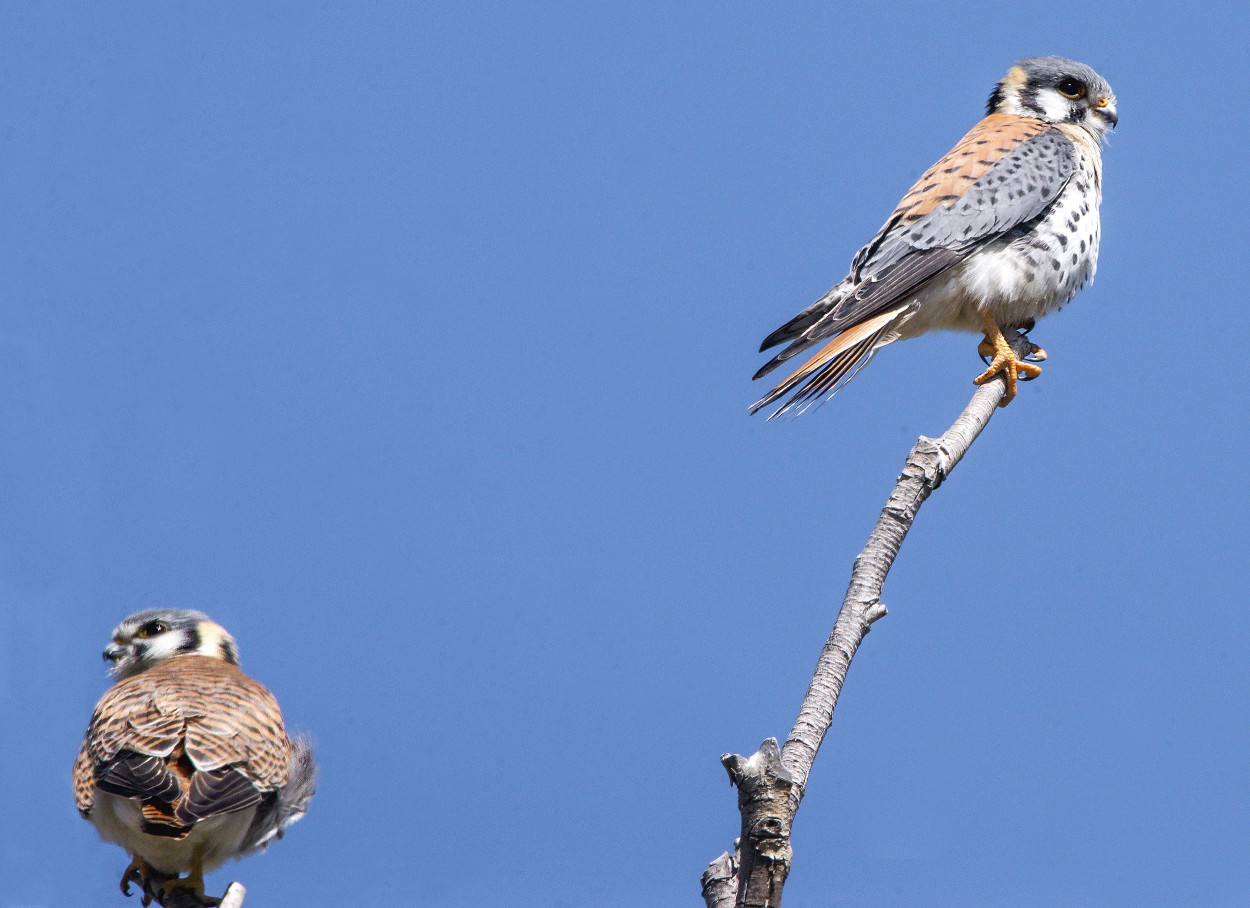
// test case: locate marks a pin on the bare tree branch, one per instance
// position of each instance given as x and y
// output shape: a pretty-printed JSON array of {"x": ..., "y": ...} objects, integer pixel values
[{"x": 770, "y": 783}]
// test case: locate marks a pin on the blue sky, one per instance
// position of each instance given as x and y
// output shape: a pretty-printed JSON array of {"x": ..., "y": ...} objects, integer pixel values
[{"x": 412, "y": 343}]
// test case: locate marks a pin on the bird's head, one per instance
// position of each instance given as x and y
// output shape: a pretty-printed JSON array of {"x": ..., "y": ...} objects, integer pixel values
[
  {"x": 1057, "y": 90},
  {"x": 146, "y": 638}
]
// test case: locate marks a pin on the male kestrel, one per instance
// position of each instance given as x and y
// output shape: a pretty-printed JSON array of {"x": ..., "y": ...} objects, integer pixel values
[
  {"x": 186, "y": 762},
  {"x": 999, "y": 232}
]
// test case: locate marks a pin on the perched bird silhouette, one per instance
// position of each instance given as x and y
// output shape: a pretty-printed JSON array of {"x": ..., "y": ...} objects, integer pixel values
[
  {"x": 186, "y": 762},
  {"x": 999, "y": 232}
]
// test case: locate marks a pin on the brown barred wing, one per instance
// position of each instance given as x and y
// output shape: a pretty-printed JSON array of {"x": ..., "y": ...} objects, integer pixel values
[{"x": 193, "y": 727}]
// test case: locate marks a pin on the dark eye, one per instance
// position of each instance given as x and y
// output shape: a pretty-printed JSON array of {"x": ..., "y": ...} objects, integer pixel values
[
  {"x": 151, "y": 629},
  {"x": 1071, "y": 88}
]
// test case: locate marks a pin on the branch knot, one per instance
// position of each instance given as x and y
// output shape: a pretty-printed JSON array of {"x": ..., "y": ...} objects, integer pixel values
[{"x": 933, "y": 459}]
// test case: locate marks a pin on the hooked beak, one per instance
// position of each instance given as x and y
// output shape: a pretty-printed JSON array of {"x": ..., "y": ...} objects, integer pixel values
[
  {"x": 114, "y": 653},
  {"x": 1105, "y": 109}
]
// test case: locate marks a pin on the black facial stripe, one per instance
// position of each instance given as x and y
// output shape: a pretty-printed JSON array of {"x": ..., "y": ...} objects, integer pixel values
[
  {"x": 229, "y": 651},
  {"x": 1028, "y": 99},
  {"x": 1076, "y": 113},
  {"x": 192, "y": 643},
  {"x": 996, "y": 98}
]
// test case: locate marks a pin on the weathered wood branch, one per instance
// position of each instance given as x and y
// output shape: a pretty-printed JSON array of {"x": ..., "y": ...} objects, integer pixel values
[{"x": 771, "y": 782}]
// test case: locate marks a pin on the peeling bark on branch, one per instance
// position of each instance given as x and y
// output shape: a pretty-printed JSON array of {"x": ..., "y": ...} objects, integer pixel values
[
  {"x": 720, "y": 882},
  {"x": 771, "y": 782}
]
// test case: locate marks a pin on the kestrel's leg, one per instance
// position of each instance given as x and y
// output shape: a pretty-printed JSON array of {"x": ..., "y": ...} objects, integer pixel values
[
  {"x": 193, "y": 881},
  {"x": 1005, "y": 361},
  {"x": 1035, "y": 355}
]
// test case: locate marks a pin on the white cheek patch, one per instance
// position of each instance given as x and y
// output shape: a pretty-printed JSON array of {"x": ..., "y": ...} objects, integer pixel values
[
  {"x": 161, "y": 647},
  {"x": 1055, "y": 107}
]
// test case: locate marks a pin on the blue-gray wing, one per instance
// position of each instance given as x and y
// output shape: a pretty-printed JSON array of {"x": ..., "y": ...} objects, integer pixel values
[
  {"x": 1017, "y": 189},
  {"x": 1001, "y": 177}
]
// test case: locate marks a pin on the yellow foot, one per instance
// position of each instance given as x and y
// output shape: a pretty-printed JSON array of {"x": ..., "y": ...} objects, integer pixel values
[
  {"x": 195, "y": 882},
  {"x": 1004, "y": 361},
  {"x": 138, "y": 872}
]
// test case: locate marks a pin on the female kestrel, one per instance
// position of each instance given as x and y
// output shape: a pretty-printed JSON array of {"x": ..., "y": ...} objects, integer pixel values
[{"x": 186, "y": 762}]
